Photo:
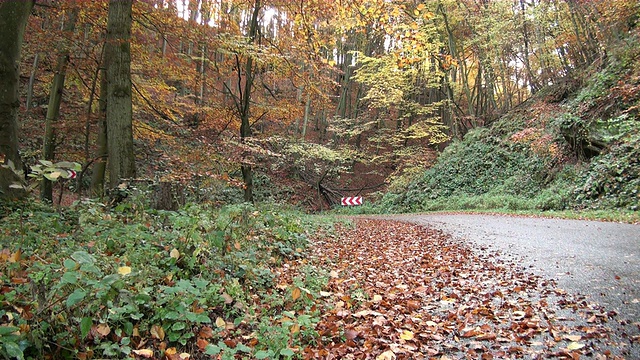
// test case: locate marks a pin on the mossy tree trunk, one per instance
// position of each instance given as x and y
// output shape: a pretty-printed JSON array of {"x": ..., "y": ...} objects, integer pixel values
[
  {"x": 13, "y": 20},
  {"x": 119, "y": 107}
]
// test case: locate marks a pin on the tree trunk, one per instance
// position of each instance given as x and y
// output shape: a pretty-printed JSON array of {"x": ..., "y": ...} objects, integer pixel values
[
  {"x": 119, "y": 107},
  {"x": 168, "y": 196},
  {"x": 99, "y": 169},
  {"x": 13, "y": 20},
  {"x": 307, "y": 110},
  {"x": 32, "y": 79},
  {"x": 245, "y": 115},
  {"x": 55, "y": 98}
]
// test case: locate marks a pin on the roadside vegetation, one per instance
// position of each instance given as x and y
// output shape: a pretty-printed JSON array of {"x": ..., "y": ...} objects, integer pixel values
[
  {"x": 200, "y": 281},
  {"x": 572, "y": 150}
]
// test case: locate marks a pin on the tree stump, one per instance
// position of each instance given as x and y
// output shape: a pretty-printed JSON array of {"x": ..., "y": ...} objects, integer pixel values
[{"x": 168, "y": 196}]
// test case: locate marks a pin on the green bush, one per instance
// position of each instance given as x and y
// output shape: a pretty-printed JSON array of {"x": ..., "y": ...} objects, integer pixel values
[{"x": 98, "y": 280}]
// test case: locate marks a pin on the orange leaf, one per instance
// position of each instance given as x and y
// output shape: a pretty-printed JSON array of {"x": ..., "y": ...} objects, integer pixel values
[
  {"x": 202, "y": 343},
  {"x": 295, "y": 294}
]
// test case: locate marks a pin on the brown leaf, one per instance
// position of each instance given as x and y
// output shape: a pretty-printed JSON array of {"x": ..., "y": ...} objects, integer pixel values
[
  {"x": 102, "y": 330},
  {"x": 206, "y": 332},
  {"x": 350, "y": 334},
  {"x": 157, "y": 332},
  {"x": 227, "y": 298},
  {"x": 145, "y": 353},
  {"x": 387, "y": 355}
]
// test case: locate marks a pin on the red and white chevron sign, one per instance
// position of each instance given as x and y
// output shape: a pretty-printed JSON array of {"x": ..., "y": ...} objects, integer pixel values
[{"x": 352, "y": 201}]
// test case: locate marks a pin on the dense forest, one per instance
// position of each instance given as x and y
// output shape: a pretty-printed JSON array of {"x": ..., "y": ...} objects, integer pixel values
[
  {"x": 304, "y": 101},
  {"x": 161, "y": 158}
]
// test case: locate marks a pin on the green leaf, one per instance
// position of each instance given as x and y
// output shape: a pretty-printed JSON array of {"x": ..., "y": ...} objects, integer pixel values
[
  {"x": 70, "y": 264},
  {"x": 83, "y": 257},
  {"x": 287, "y": 352},
  {"x": 242, "y": 347},
  {"x": 203, "y": 318},
  {"x": 212, "y": 350},
  {"x": 110, "y": 279},
  {"x": 128, "y": 328},
  {"x": 76, "y": 297},
  {"x": 263, "y": 354},
  {"x": 6, "y": 330},
  {"x": 68, "y": 165},
  {"x": 70, "y": 277},
  {"x": 53, "y": 176},
  {"x": 178, "y": 326},
  {"x": 85, "y": 326},
  {"x": 13, "y": 350}
]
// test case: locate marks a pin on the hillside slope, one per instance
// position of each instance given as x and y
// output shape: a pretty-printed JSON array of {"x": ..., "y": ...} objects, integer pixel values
[{"x": 574, "y": 145}]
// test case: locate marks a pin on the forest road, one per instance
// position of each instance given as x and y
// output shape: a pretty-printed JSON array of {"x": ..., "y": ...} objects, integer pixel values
[{"x": 599, "y": 260}]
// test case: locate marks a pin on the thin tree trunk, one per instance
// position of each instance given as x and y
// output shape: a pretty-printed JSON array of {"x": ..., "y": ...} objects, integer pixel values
[
  {"x": 307, "y": 110},
  {"x": 99, "y": 169},
  {"x": 245, "y": 114},
  {"x": 55, "y": 99},
  {"x": 32, "y": 79}
]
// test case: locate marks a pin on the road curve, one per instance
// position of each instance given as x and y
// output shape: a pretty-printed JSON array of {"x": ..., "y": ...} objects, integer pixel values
[{"x": 600, "y": 260}]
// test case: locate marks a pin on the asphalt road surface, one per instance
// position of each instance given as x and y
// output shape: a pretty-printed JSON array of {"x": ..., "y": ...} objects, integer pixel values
[{"x": 600, "y": 260}]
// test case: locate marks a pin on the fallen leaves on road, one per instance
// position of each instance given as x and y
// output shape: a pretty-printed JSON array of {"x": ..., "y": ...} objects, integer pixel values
[{"x": 402, "y": 291}]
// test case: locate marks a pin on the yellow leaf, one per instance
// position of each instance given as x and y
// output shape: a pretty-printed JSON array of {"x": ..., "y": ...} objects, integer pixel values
[
  {"x": 15, "y": 257},
  {"x": 157, "y": 332},
  {"x": 170, "y": 351},
  {"x": 174, "y": 253},
  {"x": 406, "y": 335},
  {"x": 420, "y": 7},
  {"x": 295, "y": 328},
  {"x": 220, "y": 322},
  {"x": 387, "y": 355},
  {"x": 295, "y": 294},
  {"x": 124, "y": 270},
  {"x": 416, "y": 12},
  {"x": 377, "y": 298},
  {"x": 144, "y": 353},
  {"x": 184, "y": 356},
  {"x": 575, "y": 346}
]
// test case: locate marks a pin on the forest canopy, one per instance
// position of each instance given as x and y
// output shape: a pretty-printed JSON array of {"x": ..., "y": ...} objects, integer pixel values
[{"x": 223, "y": 91}]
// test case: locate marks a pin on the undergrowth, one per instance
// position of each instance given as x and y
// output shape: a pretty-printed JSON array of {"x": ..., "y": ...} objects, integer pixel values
[{"x": 92, "y": 282}]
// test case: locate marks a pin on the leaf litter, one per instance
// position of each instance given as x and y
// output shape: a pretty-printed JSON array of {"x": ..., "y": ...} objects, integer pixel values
[{"x": 404, "y": 291}]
